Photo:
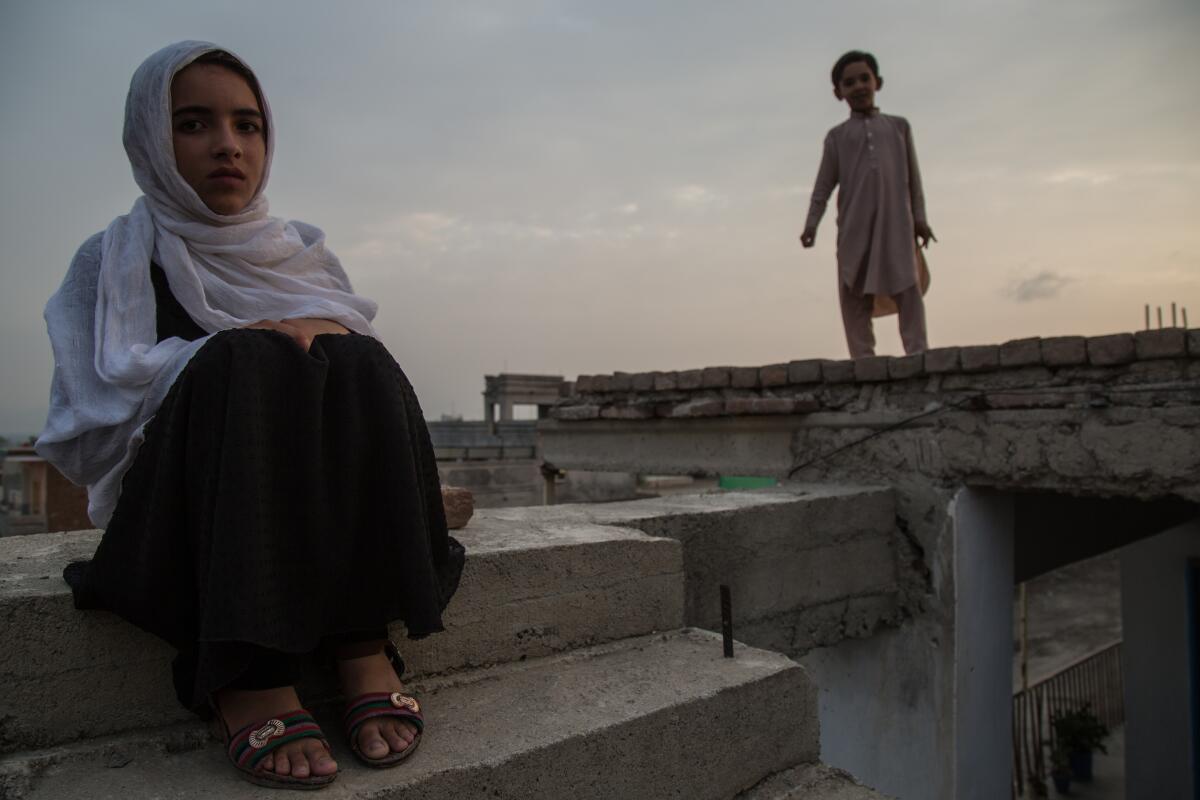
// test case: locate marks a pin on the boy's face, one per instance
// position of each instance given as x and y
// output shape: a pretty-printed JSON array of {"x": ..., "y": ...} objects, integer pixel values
[{"x": 858, "y": 86}]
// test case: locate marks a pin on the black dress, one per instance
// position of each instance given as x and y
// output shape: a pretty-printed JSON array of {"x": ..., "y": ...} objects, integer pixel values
[{"x": 280, "y": 499}]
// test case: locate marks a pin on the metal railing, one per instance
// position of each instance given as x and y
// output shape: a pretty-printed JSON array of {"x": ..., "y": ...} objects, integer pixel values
[{"x": 1094, "y": 680}]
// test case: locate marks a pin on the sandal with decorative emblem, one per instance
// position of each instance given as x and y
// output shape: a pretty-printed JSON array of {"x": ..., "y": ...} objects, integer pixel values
[
  {"x": 384, "y": 704},
  {"x": 248, "y": 746}
]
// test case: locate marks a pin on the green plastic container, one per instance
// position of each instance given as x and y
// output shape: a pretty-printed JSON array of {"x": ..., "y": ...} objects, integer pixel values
[{"x": 745, "y": 482}]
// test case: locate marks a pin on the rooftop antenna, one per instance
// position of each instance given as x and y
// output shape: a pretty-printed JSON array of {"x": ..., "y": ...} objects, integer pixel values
[{"x": 1174, "y": 321}]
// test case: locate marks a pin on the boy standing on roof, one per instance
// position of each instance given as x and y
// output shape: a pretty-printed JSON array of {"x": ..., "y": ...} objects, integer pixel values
[{"x": 881, "y": 209}]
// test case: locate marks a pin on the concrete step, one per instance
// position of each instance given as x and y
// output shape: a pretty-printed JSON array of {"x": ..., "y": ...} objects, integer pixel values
[
  {"x": 651, "y": 717},
  {"x": 530, "y": 589},
  {"x": 807, "y": 565}
]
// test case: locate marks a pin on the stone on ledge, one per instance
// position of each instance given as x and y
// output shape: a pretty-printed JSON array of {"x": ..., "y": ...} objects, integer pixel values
[
  {"x": 745, "y": 378},
  {"x": 601, "y": 384},
  {"x": 1021, "y": 352},
  {"x": 980, "y": 357},
  {"x": 837, "y": 371},
  {"x": 621, "y": 382},
  {"x": 1193, "y": 342},
  {"x": 573, "y": 413},
  {"x": 1116, "y": 348},
  {"x": 871, "y": 368},
  {"x": 715, "y": 377},
  {"x": 901, "y": 367},
  {"x": 690, "y": 379},
  {"x": 808, "y": 371},
  {"x": 773, "y": 375},
  {"x": 643, "y": 381},
  {"x": 806, "y": 403},
  {"x": 941, "y": 359},
  {"x": 583, "y": 384},
  {"x": 460, "y": 506},
  {"x": 740, "y": 406},
  {"x": 1163, "y": 343},
  {"x": 636, "y": 411},
  {"x": 665, "y": 381},
  {"x": 699, "y": 408},
  {"x": 1064, "y": 351}
]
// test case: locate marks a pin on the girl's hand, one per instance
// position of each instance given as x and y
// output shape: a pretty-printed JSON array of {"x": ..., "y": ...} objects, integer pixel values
[
  {"x": 301, "y": 331},
  {"x": 924, "y": 234},
  {"x": 315, "y": 327},
  {"x": 298, "y": 336}
]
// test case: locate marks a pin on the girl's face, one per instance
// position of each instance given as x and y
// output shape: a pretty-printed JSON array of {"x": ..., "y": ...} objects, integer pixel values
[{"x": 217, "y": 131}]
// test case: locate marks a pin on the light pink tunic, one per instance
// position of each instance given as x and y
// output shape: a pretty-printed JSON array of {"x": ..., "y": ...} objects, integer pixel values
[{"x": 871, "y": 156}]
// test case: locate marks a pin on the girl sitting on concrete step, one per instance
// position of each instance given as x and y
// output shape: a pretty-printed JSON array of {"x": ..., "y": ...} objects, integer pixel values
[{"x": 256, "y": 457}]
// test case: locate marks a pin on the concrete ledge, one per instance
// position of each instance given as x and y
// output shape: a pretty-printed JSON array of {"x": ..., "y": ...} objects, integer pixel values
[
  {"x": 528, "y": 590},
  {"x": 1131, "y": 437},
  {"x": 1111, "y": 351},
  {"x": 807, "y": 566},
  {"x": 618, "y": 720}
]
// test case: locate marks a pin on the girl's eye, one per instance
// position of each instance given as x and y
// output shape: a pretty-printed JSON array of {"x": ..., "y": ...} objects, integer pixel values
[
  {"x": 246, "y": 126},
  {"x": 189, "y": 126}
]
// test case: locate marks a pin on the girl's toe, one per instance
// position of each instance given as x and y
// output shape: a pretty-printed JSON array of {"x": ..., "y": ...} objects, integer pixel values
[{"x": 372, "y": 743}]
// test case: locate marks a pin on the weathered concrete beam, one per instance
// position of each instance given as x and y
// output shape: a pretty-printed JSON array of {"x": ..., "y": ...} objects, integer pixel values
[{"x": 1108, "y": 416}]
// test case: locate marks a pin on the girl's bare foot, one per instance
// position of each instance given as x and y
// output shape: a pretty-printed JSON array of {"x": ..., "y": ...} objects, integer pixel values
[
  {"x": 373, "y": 673},
  {"x": 299, "y": 759}
]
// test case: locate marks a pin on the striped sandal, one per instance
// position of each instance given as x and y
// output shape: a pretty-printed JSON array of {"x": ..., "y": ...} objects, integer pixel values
[
  {"x": 248, "y": 746},
  {"x": 383, "y": 704}
]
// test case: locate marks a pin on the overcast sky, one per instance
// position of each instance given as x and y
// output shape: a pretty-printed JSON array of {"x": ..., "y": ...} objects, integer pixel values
[{"x": 583, "y": 187}]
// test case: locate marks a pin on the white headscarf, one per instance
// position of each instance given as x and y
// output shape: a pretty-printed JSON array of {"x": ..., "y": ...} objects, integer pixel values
[{"x": 111, "y": 372}]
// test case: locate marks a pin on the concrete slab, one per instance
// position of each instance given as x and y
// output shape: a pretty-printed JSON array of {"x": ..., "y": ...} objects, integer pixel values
[
  {"x": 811, "y": 781},
  {"x": 632, "y": 719},
  {"x": 528, "y": 590},
  {"x": 807, "y": 566}
]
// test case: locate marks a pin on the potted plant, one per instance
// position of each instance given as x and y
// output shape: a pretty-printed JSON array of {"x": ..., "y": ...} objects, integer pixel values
[
  {"x": 1060, "y": 770},
  {"x": 1079, "y": 733}
]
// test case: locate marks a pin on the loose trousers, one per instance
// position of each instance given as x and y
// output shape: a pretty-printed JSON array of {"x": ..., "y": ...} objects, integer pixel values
[{"x": 860, "y": 333}]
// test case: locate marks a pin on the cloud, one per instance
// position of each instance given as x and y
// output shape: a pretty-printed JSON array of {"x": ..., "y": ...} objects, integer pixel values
[
  {"x": 1044, "y": 285},
  {"x": 430, "y": 233},
  {"x": 695, "y": 197},
  {"x": 1091, "y": 177}
]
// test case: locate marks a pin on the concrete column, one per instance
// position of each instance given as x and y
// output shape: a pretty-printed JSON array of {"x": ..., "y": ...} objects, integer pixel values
[
  {"x": 1160, "y": 664},
  {"x": 506, "y": 409},
  {"x": 983, "y": 624},
  {"x": 489, "y": 413}
]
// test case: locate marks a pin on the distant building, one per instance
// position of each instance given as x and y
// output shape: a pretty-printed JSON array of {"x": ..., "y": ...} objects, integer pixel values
[{"x": 37, "y": 498}]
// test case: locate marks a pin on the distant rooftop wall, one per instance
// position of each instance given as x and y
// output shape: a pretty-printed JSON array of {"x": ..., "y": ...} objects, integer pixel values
[{"x": 1108, "y": 415}]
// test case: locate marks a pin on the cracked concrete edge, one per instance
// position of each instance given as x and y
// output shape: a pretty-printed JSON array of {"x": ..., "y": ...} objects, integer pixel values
[
  {"x": 815, "y": 781},
  {"x": 621, "y": 703}
]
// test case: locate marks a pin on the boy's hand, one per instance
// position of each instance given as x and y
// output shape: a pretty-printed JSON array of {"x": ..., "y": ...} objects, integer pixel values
[
  {"x": 924, "y": 234},
  {"x": 809, "y": 237}
]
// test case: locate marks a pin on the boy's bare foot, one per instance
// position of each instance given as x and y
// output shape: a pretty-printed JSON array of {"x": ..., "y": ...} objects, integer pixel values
[
  {"x": 300, "y": 758},
  {"x": 373, "y": 673}
]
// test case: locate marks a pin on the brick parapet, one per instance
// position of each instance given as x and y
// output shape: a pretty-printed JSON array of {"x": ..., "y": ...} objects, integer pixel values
[{"x": 1145, "y": 369}]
